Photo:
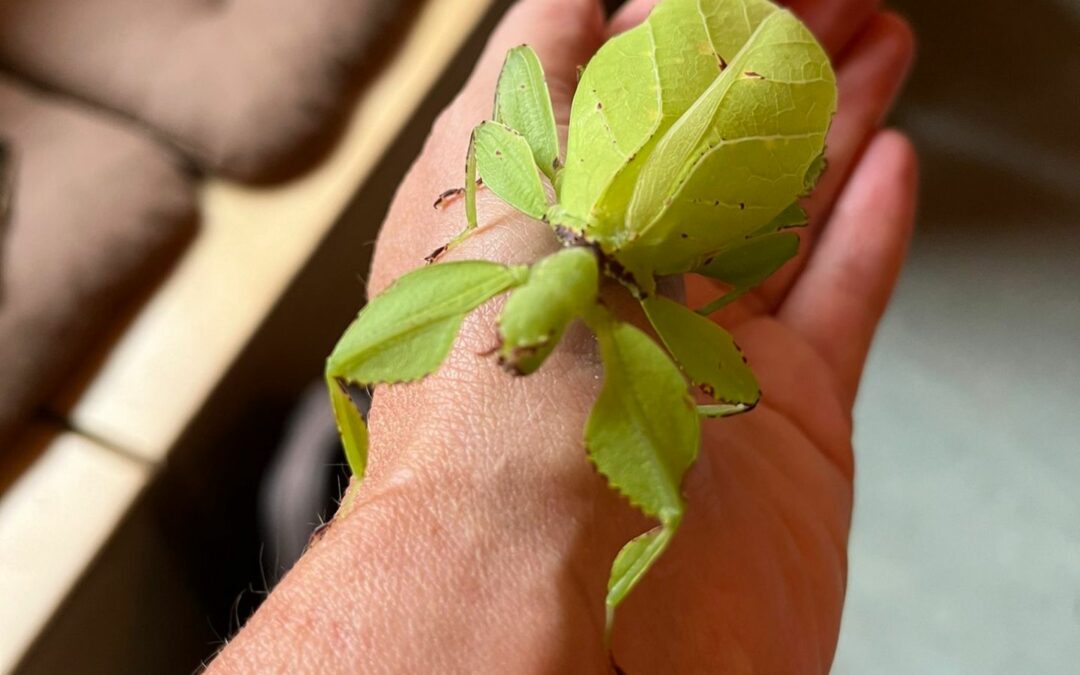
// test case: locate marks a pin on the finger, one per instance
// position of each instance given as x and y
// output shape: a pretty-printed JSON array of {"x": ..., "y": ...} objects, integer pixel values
[
  {"x": 840, "y": 297},
  {"x": 833, "y": 22},
  {"x": 869, "y": 77},
  {"x": 564, "y": 33}
]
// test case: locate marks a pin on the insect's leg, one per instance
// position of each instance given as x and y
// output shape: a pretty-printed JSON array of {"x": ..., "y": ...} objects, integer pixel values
[
  {"x": 707, "y": 355},
  {"x": 747, "y": 265},
  {"x": 723, "y": 409},
  {"x": 469, "y": 191},
  {"x": 447, "y": 196},
  {"x": 350, "y": 424},
  {"x": 504, "y": 161}
]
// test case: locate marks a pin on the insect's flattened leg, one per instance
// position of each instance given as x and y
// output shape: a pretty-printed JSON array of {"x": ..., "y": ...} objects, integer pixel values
[
  {"x": 404, "y": 334},
  {"x": 505, "y": 163},
  {"x": 470, "y": 188},
  {"x": 631, "y": 564},
  {"x": 713, "y": 411},
  {"x": 721, "y": 302},
  {"x": 747, "y": 265},
  {"x": 523, "y": 103},
  {"x": 349, "y": 421},
  {"x": 707, "y": 354},
  {"x": 642, "y": 436}
]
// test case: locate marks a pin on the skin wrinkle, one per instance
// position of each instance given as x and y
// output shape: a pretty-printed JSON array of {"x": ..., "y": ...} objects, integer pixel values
[
  {"x": 836, "y": 544},
  {"x": 842, "y": 489},
  {"x": 831, "y": 481}
]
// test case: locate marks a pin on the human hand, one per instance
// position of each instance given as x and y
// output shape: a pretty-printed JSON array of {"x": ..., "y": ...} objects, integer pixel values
[{"x": 481, "y": 537}]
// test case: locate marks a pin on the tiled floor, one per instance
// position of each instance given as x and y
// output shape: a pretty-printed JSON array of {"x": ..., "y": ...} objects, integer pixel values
[{"x": 965, "y": 553}]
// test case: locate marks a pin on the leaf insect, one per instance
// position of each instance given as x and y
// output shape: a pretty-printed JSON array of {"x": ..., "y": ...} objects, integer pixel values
[{"x": 692, "y": 138}]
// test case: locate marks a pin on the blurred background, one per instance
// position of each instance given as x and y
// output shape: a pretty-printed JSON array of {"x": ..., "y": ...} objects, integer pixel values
[{"x": 178, "y": 253}]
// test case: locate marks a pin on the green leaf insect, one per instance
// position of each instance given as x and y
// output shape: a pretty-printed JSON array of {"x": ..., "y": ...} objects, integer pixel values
[{"x": 692, "y": 138}]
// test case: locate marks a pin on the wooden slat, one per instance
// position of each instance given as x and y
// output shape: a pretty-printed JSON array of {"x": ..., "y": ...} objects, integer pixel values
[{"x": 63, "y": 496}]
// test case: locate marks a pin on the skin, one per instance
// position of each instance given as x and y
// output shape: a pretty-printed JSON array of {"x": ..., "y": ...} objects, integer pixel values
[{"x": 481, "y": 539}]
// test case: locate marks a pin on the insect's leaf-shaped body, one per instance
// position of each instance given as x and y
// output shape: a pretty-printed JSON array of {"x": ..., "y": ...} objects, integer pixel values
[
  {"x": 739, "y": 156},
  {"x": 406, "y": 332},
  {"x": 692, "y": 44},
  {"x": 706, "y": 352},
  {"x": 522, "y": 102},
  {"x": 635, "y": 87},
  {"x": 561, "y": 288}
]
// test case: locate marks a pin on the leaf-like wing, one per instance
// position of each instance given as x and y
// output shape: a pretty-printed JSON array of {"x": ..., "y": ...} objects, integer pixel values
[
  {"x": 632, "y": 91},
  {"x": 561, "y": 288},
  {"x": 616, "y": 109},
  {"x": 740, "y": 155},
  {"x": 706, "y": 352},
  {"x": 522, "y": 102},
  {"x": 748, "y": 264},
  {"x": 642, "y": 434},
  {"x": 505, "y": 162}
]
